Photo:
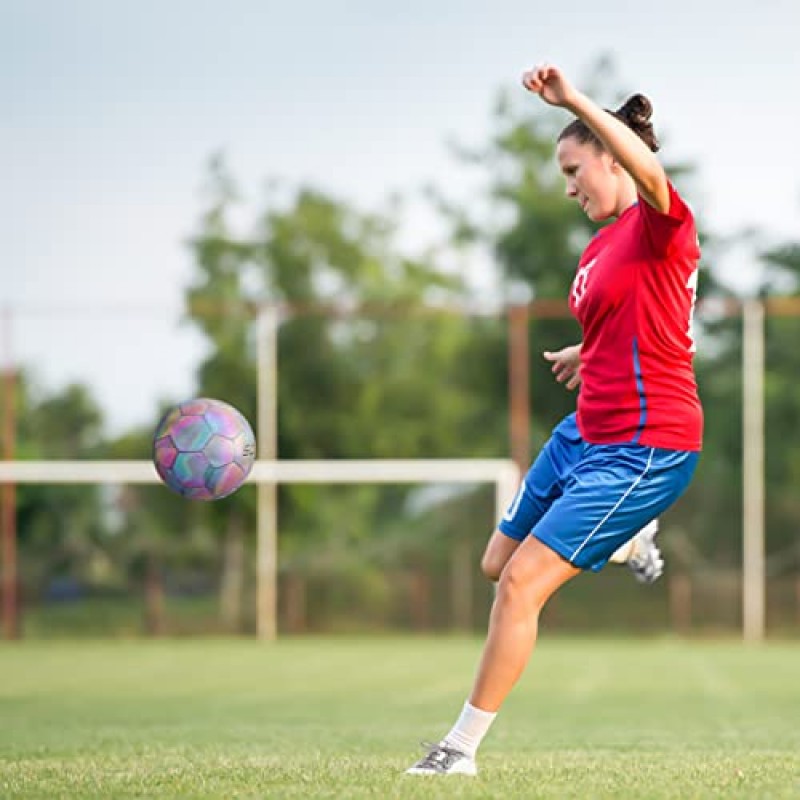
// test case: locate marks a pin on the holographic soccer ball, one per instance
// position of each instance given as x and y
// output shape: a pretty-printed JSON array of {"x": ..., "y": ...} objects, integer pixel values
[{"x": 203, "y": 449}]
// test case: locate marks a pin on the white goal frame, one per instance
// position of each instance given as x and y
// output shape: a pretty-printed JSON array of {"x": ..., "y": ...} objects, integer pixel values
[{"x": 502, "y": 473}]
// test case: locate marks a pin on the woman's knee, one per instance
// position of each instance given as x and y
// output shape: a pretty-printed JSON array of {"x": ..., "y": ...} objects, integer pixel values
[
  {"x": 530, "y": 579},
  {"x": 517, "y": 586}
]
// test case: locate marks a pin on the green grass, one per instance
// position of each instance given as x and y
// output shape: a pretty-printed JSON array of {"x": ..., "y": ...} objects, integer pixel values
[{"x": 341, "y": 718}]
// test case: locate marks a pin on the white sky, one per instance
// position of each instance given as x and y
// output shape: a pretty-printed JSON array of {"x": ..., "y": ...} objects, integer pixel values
[{"x": 111, "y": 109}]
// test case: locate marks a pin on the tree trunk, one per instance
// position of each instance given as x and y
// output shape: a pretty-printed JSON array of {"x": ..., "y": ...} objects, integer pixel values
[
  {"x": 420, "y": 597},
  {"x": 680, "y": 602},
  {"x": 461, "y": 584},
  {"x": 232, "y": 582},
  {"x": 295, "y": 599},
  {"x": 154, "y": 618}
]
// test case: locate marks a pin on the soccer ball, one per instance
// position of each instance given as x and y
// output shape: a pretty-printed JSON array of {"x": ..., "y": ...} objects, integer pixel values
[{"x": 203, "y": 449}]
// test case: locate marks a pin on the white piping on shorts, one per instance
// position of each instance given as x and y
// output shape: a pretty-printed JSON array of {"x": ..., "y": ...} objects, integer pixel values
[
  {"x": 511, "y": 512},
  {"x": 618, "y": 504}
]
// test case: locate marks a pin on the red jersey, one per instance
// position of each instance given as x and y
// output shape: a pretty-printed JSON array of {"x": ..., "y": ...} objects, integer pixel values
[{"x": 634, "y": 296}]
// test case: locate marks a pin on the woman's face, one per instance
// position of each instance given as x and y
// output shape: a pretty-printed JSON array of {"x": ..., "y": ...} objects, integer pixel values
[{"x": 593, "y": 178}]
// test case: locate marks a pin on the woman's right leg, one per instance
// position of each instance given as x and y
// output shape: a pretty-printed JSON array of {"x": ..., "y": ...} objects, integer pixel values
[{"x": 539, "y": 489}]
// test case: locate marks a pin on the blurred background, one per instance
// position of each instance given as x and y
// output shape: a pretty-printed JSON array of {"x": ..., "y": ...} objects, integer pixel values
[{"x": 373, "y": 174}]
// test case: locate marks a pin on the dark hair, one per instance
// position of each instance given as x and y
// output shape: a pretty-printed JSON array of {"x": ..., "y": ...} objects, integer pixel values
[{"x": 635, "y": 112}]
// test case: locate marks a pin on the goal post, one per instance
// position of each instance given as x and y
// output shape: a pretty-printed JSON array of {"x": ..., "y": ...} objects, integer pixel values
[{"x": 503, "y": 474}]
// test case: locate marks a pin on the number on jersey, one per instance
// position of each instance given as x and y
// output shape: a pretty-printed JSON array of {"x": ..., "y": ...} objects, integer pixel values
[{"x": 691, "y": 285}]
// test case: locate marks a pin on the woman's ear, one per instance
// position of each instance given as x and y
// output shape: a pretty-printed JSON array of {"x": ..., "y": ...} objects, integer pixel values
[{"x": 617, "y": 169}]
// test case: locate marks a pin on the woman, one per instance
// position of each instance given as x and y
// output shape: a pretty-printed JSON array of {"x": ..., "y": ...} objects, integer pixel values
[{"x": 633, "y": 446}]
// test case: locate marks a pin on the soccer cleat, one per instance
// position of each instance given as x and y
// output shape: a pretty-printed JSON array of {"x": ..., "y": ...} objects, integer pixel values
[
  {"x": 646, "y": 561},
  {"x": 443, "y": 760}
]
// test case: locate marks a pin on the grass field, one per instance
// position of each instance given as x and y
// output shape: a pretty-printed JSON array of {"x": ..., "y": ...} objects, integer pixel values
[{"x": 341, "y": 718}]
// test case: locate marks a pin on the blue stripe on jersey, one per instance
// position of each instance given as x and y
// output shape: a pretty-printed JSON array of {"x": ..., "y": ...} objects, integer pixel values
[{"x": 637, "y": 371}]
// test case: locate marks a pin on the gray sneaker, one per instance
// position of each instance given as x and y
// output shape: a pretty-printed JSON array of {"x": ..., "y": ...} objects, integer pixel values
[
  {"x": 443, "y": 760},
  {"x": 646, "y": 561}
]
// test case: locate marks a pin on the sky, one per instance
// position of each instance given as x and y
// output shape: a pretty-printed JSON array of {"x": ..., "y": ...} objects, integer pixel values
[{"x": 111, "y": 111}]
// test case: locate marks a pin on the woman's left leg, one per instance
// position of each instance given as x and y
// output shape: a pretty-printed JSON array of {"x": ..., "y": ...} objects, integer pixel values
[{"x": 533, "y": 574}]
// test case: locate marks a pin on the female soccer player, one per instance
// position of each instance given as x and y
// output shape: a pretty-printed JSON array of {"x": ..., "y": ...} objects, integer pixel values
[{"x": 632, "y": 448}]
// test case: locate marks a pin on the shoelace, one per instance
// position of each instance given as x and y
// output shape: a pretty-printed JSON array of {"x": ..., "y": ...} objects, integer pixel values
[{"x": 439, "y": 756}]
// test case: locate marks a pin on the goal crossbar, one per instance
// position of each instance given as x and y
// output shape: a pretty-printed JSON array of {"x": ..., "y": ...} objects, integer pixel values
[{"x": 503, "y": 473}]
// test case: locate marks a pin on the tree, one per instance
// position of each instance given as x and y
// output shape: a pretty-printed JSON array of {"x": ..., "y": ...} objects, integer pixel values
[
  {"x": 781, "y": 278},
  {"x": 60, "y": 527},
  {"x": 390, "y": 379}
]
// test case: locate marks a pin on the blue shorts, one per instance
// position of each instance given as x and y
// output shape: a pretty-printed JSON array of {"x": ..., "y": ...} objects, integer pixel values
[{"x": 586, "y": 500}]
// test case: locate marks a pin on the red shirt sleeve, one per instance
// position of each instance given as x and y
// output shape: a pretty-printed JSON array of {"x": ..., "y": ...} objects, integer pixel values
[{"x": 673, "y": 231}]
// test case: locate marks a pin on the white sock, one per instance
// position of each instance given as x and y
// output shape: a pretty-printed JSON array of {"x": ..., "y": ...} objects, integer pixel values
[
  {"x": 622, "y": 554},
  {"x": 468, "y": 732}
]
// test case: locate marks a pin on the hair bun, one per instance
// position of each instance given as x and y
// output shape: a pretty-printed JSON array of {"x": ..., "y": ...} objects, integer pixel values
[
  {"x": 637, "y": 108},
  {"x": 635, "y": 112}
]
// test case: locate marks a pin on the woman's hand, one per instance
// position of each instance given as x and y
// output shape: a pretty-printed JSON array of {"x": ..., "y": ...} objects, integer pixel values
[
  {"x": 566, "y": 365},
  {"x": 550, "y": 84}
]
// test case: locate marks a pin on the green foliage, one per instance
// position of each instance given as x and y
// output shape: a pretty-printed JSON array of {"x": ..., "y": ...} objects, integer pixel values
[
  {"x": 782, "y": 401},
  {"x": 782, "y": 274},
  {"x": 60, "y": 529},
  {"x": 393, "y": 380}
]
